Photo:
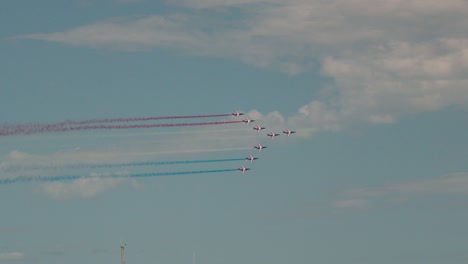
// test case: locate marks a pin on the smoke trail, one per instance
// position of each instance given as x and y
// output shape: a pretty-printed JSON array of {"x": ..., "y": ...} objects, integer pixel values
[
  {"x": 139, "y": 134},
  {"x": 115, "y": 165},
  {"x": 134, "y": 119},
  {"x": 102, "y": 121},
  {"x": 178, "y": 151},
  {"x": 91, "y": 156},
  {"x": 76, "y": 177},
  {"x": 37, "y": 128}
]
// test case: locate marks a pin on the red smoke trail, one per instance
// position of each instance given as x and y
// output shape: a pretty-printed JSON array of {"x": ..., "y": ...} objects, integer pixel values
[
  {"x": 133, "y": 119},
  {"x": 38, "y": 128},
  {"x": 33, "y": 128}
]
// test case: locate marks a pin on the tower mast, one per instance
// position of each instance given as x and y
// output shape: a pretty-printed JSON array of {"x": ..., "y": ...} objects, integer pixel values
[{"x": 122, "y": 247}]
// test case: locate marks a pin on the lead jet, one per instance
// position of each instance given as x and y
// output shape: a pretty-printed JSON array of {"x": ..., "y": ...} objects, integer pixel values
[
  {"x": 258, "y": 128},
  {"x": 272, "y": 134},
  {"x": 247, "y": 120},
  {"x": 288, "y": 132},
  {"x": 251, "y": 158},
  {"x": 259, "y": 147},
  {"x": 243, "y": 169},
  {"x": 237, "y": 114}
]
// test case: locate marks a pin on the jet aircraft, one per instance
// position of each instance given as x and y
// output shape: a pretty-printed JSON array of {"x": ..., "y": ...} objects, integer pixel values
[
  {"x": 272, "y": 134},
  {"x": 243, "y": 169},
  {"x": 251, "y": 158},
  {"x": 258, "y": 128},
  {"x": 247, "y": 120},
  {"x": 288, "y": 132},
  {"x": 237, "y": 114},
  {"x": 259, "y": 147}
]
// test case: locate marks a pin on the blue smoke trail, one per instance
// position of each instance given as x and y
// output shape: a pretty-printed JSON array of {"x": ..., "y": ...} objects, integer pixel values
[
  {"x": 155, "y": 163},
  {"x": 154, "y": 174},
  {"x": 115, "y": 165},
  {"x": 76, "y": 177}
]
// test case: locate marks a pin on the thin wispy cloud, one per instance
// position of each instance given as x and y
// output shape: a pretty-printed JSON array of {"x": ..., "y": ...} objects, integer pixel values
[
  {"x": 83, "y": 188},
  {"x": 351, "y": 203},
  {"x": 452, "y": 184},
  {"x": 10, "y": 256},
  {"x": 128, "y": 1}
]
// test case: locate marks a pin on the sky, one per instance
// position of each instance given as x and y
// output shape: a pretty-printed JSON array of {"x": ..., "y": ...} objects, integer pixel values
[{"x": 377, "y": 92}]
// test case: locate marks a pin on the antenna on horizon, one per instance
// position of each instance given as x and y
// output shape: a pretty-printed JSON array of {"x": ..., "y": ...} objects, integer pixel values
[{"x": 122, "y": 248}]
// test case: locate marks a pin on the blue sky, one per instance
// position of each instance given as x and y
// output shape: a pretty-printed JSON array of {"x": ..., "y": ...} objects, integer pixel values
[{"x": 376, "y": 90}]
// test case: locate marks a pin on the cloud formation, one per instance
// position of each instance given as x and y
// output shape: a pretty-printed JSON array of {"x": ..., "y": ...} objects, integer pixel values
[{"x": 82, "y": 188}]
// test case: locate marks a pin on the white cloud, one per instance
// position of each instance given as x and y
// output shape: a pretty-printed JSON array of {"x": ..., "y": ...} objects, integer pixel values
[
  {"x": 318, "y": 115},
  {"x": 23, "y": 166},
  {"x": 274, "y": 120},
  {"x": 456, "y": 184},
  {"x": 452, "y": 184},
  {"x": 12, "y": 256},
  {"x": 83, "y": 188},
  {"x": 398, "y": 79},
  {"x": 17, "y": 155},
  {"x": 387, "y": 58},
  {"x": 379, "y": 7}
]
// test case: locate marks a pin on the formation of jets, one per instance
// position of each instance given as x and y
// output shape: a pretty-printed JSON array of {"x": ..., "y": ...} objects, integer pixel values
[{"x": 259, "y": 147}]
